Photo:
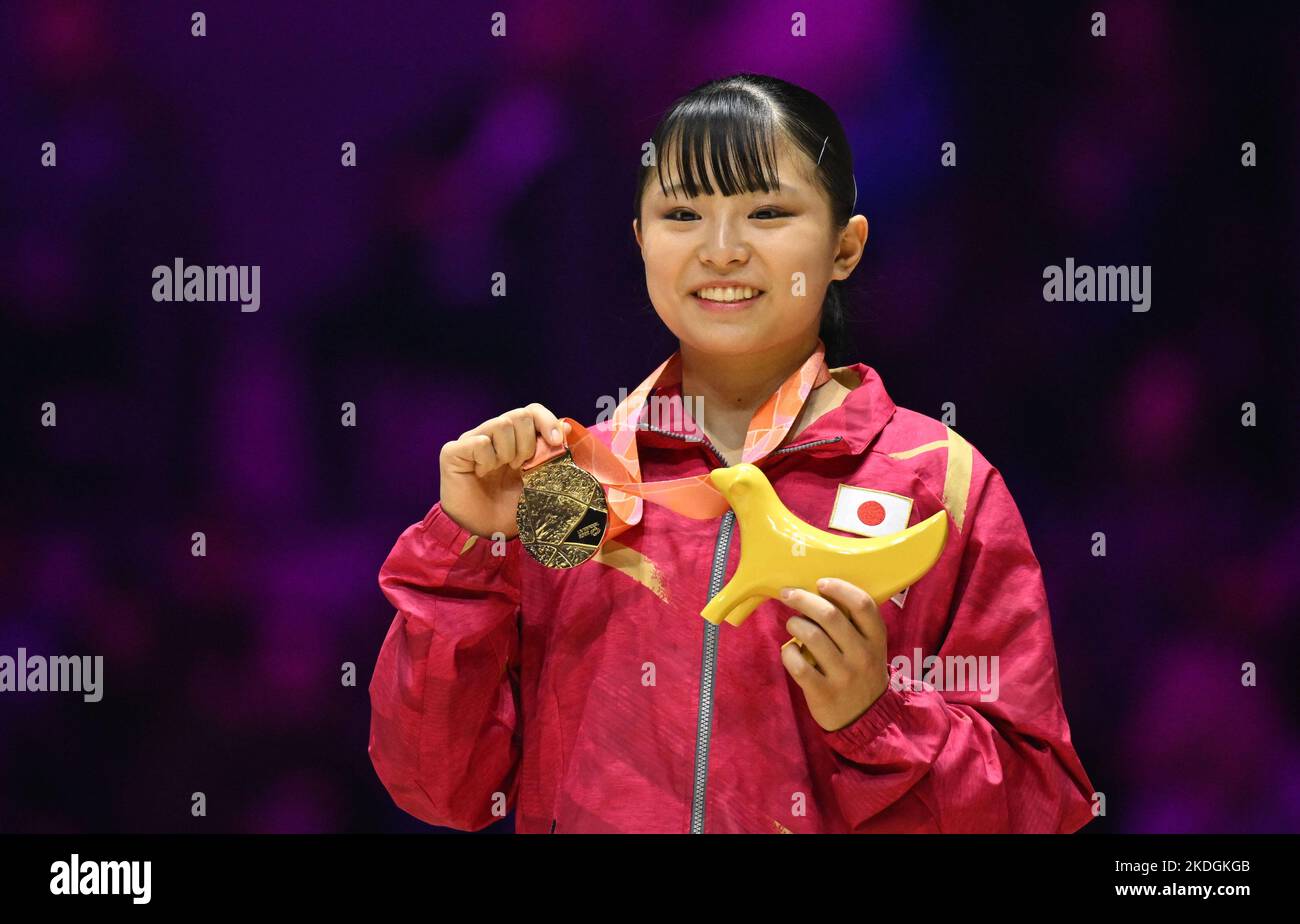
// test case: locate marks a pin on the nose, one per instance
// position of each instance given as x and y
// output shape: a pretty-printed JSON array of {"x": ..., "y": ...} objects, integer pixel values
[{"x": 725, "y": 243}]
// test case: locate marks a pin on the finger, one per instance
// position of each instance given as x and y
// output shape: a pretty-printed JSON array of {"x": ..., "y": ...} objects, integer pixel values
[
  {"x": 830, "y": 618},
  {"x": 830, "y": 660},
  {"x": 485, "y": 458},
  {"x": 547, "y": 424},
  {"x": 862, "y": 611},
  {"x": 503, "y": 438},
  {"x": 458, "y": 455},
  {"x": 807, "y": 655},
  {"x": 809, "y": 678},
  {"x": 525, "y": 436}
]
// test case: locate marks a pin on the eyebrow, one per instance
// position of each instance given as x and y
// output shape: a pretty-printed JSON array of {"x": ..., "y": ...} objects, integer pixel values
[{"x": 786, "y": 189}]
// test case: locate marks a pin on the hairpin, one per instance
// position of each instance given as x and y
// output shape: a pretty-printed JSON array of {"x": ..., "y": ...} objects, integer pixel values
[{"x": 855, "y": 179}]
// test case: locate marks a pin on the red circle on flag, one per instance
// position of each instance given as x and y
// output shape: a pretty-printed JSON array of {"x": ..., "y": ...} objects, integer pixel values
[{"x": 871, "y": 513}]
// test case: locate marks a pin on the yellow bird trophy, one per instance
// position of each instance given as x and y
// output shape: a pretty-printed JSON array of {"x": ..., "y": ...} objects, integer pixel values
[{"x": 780, "y": 550}]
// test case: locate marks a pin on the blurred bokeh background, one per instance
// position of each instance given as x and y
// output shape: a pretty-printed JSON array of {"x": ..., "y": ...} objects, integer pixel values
[{"x": 477, "y": 155}]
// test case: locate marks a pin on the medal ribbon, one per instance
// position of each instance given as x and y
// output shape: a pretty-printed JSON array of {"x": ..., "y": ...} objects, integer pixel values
[{"x": 618, "y": 468}]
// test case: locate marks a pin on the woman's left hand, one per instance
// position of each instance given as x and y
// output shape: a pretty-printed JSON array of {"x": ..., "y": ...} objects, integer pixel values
[{"x": 844, "y": 632}]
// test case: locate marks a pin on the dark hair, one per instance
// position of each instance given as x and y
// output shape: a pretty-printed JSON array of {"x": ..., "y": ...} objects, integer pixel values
[{"x": 741, "y": 116}]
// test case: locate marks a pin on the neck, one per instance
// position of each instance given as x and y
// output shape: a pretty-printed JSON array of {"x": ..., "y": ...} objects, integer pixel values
[{"x": 729, "y": 389}]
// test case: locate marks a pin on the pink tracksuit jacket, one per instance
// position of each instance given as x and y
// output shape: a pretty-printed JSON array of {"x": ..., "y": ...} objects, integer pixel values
[{"x": 596, "y": 699}]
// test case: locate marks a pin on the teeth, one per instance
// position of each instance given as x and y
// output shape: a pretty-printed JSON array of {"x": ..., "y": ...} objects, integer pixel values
[{"x": 728, "y": 294}]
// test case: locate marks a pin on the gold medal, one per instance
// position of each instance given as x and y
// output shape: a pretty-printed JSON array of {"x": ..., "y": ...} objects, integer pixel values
[{"x": 562, "y": 514}]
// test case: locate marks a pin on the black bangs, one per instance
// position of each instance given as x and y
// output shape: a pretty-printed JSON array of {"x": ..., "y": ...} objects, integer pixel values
[{"x": 729, "y": 137}]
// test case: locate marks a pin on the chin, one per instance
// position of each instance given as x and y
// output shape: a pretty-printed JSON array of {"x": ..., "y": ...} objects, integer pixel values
[{"x": 735, "y": 340}]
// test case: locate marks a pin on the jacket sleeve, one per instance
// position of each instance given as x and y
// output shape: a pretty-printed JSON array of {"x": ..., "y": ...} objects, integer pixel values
[
  {"x": 925, "y": 758},
  {"x": 444, "y": 696}
]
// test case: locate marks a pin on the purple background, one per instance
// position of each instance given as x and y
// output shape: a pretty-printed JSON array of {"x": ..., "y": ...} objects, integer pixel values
[{"x": 478, "y": 155}]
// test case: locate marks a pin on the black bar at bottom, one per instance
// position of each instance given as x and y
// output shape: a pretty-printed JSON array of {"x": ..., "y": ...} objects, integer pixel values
[{"x": 498, "y": 874}]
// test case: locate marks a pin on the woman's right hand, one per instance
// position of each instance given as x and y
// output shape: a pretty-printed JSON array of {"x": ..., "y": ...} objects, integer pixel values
[{"x": 480, "y": 476}]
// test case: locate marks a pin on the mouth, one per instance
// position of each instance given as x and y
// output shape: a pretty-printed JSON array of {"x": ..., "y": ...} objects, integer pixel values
[{"x": 727, "y": 298}]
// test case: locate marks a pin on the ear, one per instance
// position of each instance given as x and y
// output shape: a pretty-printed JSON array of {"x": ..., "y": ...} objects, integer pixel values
[
  {"x": 852, "y": 242},
  {"x": 636, "y": 232}
]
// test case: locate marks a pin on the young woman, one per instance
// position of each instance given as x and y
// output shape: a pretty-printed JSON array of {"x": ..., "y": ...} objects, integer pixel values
[{"x": 595, "y": 698}]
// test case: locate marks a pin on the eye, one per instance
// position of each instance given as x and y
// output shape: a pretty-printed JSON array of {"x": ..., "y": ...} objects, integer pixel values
[{"x": 766, "y": 213}]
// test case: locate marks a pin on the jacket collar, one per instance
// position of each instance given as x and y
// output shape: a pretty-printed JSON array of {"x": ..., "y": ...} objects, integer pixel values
[{"x": 856, "y": 422}]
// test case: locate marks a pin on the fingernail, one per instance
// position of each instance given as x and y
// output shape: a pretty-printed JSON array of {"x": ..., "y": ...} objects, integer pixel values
[{"x": 785, "y": 593}]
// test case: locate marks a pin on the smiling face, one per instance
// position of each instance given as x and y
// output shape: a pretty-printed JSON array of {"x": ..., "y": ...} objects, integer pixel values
[{"x": 754, "y": 245}]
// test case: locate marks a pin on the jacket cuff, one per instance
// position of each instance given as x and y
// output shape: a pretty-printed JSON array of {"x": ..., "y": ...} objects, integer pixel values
[
  {"x": 450, "y": 536},
  {"x": 856, "y": 738}
]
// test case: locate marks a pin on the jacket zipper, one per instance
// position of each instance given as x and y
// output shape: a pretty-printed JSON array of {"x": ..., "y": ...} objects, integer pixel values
[
  {"x": 708, "y": 663},
  {"x": 709, "y": 658},
  {"x": 829, "y": 439}
]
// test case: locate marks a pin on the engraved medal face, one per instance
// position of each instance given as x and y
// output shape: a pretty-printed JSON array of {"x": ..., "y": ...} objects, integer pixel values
[{"x": 562, "y": 514}]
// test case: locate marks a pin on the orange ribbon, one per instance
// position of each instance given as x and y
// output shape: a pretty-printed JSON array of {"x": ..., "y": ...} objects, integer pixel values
[{"x": 618, "y": 466}]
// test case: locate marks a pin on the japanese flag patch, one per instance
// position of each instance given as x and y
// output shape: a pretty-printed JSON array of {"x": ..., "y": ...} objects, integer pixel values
[{"x": 869, "y": 513}]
